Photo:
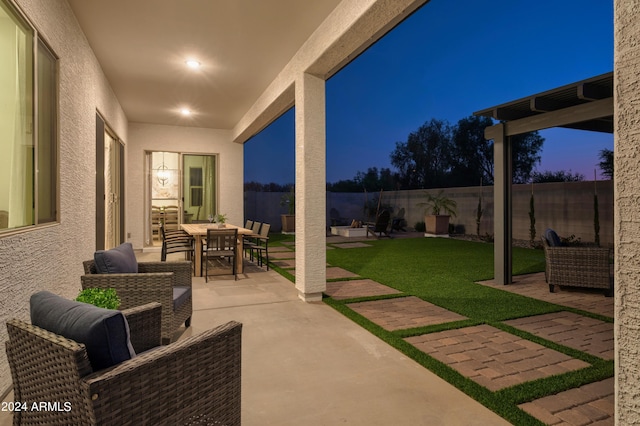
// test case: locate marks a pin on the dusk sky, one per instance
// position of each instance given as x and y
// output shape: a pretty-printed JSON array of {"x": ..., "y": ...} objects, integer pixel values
[{"x": 446, "y": 61}]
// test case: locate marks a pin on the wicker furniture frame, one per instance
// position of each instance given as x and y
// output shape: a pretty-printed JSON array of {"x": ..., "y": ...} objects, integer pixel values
[
  {"x": 586, "y": 267},
  {"x": 194, "y": 381},
  {"x": 154, "y": 282}
]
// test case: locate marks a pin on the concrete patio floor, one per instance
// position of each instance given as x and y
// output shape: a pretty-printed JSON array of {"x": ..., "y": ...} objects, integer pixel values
[{"x": 307, "y": 364}]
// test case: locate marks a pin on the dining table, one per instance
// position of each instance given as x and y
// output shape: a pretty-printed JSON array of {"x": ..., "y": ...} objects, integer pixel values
[{"x": 199, "y": 233}]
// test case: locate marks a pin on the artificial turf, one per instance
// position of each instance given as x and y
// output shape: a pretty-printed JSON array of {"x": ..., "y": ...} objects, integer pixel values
[{"x": 444, "y": 272}]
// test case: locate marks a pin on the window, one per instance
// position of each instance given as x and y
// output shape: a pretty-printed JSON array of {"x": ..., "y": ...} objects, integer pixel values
[
  {"x": 195, "y": 185},
  {"x": 28, "y": 125}
]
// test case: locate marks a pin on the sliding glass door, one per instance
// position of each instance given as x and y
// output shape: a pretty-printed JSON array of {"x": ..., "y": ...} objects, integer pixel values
[
  {"x": 182, "y": 188},
  {"x": 109, "y": 187}
]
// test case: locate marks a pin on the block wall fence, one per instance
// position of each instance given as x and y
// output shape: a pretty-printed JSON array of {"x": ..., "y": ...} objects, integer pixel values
[{"x": 567, "y": 207}]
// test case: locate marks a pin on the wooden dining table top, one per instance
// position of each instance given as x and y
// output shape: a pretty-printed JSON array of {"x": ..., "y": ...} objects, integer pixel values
[{"x": 201, "y": 228}]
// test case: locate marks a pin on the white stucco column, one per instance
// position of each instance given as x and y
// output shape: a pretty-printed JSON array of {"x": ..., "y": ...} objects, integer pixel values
[{"x": 311, "y": 255}]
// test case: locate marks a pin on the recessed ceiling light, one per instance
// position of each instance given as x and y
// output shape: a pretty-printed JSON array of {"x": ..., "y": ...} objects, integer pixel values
[
  {"x": 193, "y": 64},
  {"x": 185, "y": 111}
]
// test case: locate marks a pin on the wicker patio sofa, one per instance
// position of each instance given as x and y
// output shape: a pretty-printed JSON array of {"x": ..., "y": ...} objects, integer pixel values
[
  {"x": 193, "y": 381},
  {"x": 154, "y": 282},
  {"x": 586, "y": 267}
]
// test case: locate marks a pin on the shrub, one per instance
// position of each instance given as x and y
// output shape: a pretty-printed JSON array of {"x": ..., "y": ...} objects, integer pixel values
[
  {"x": 100, "y": 297},
  {"x": 420, "y": 227}
]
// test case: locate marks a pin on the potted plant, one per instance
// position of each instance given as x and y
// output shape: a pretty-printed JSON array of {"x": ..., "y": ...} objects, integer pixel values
[
  {"x": 289, "y": 219},
  {"x": 219, "y": 221},
  {"x": 100, "y": 297},
  {"x": 438, "y": 210}
]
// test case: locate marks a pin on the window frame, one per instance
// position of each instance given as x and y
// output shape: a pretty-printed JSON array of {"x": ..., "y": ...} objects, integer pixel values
[{"x": 38, "y": 41}]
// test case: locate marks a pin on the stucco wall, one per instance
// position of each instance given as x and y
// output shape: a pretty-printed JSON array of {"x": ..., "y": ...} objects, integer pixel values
[
  {"x": 566, "y": 207},
  {"x": 188, "y": 140},
  {"x": 627, "y": 209},
  {"x": 50, "y": 258}
]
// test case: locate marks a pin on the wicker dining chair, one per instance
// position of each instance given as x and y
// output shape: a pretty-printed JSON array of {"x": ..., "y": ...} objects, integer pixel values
[
  {"x": 163, "y": 282},
  {"x": 193, "y": 381}
]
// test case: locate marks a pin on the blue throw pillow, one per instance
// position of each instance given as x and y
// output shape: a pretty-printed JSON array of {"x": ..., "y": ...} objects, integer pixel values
[
  {"x": 104, "y": 332},
  {"x": 552, "y": 238},
  {"x": 118, "y": 260}
]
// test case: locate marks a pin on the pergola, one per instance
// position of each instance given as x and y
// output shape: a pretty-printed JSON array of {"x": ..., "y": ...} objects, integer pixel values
[{"x": 584, "y": 105}]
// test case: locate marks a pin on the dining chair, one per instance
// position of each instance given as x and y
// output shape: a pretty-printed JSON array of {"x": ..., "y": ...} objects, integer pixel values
[
  {"x": 171, "y": 218},
  {"x": 222, "y": 244},
  {"x": 261, "y": 245}
]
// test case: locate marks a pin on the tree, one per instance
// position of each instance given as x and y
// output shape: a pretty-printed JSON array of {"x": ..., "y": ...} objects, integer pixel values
[
  {"x": 557, "y": 176},
  {"x": 606, "y": 162},
  {"x": 345, "y": 185},
  {"x": 266, "y": 187},
  {"x": 439, "y": 155},
  {"x": 526, "y": 154},
  {"x": 372, "y": 180},
  {"x": 423, "y": 161},
  {"x": 471, "y": 154}
]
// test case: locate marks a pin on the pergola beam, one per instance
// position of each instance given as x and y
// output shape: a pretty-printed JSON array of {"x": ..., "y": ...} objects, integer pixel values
[
  {"x": 562, "y": 117},
  {"x": 592, "y": 92}
]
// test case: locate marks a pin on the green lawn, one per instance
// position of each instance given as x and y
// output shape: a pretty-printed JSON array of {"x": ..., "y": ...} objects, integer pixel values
[{"x": 444, "y": 272}]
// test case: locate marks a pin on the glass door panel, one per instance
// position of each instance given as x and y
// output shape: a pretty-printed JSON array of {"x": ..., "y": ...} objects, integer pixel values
[
  {"x": 165, "y": 197},
  {"x": 199, "y": 189}
]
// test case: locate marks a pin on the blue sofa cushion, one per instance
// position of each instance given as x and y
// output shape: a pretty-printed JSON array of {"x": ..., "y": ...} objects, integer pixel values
[
  {"x": 552, "y": 238},
  {"x": 104, "y": 332},
  {"x": 118, "y": 260},
  {"x": 180, "y": 295}
]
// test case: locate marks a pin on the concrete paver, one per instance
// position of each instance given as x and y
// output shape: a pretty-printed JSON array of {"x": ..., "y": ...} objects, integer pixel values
[
  {"x": 580, "y": 406},
  {"x": 470, "y": 352},
  {"x": 586, "y": 334},
  {"x": 351, "y": 245},
  {"x": 282, "y": 255},
  {"x": 404, "y": 312},
  {"x": 340, "y": 290},
  {"x": 534, "y": 285}
]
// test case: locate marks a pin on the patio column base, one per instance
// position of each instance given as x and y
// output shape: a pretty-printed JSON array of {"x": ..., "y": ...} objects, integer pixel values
[{"x": 310, "y": 297}]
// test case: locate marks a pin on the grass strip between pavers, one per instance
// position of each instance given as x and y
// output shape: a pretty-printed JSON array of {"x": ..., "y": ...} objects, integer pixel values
[
  {"x": 444, "y": 272},
  {"x": 501, "y": 406}
]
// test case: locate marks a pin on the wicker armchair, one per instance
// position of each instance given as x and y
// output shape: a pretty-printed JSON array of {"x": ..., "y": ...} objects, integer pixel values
[
  {"x": 154, "y": 282},
  {"x": 193, "y": 381},
  {"x": 586, "y": 267}
]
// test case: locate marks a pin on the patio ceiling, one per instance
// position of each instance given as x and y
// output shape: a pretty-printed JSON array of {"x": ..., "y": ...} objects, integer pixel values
[
  {"x": 142, "y": 47},
  {"x": 582, "y": 105}
]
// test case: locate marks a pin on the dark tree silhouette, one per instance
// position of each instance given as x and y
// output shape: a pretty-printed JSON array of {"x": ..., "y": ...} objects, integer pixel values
[
  {"x": 557, "y": 176},
  {"x": 423, "y": 161},
  {"x": 606, "y": 162},
  {"x": 472, "y": 154}
]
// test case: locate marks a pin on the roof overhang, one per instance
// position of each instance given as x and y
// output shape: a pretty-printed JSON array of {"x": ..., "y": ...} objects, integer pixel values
[{"x": 584, "y": 105}]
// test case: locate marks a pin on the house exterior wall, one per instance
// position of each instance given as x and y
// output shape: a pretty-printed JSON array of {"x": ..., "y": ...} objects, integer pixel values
[
  {"x": 49, "y": 258},
  {"x": 627, "y": 209},
  {"x": 188, "y": 140}
]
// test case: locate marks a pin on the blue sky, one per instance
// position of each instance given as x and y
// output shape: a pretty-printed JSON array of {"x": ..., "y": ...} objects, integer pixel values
[{"x": 446, "y": 61}]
